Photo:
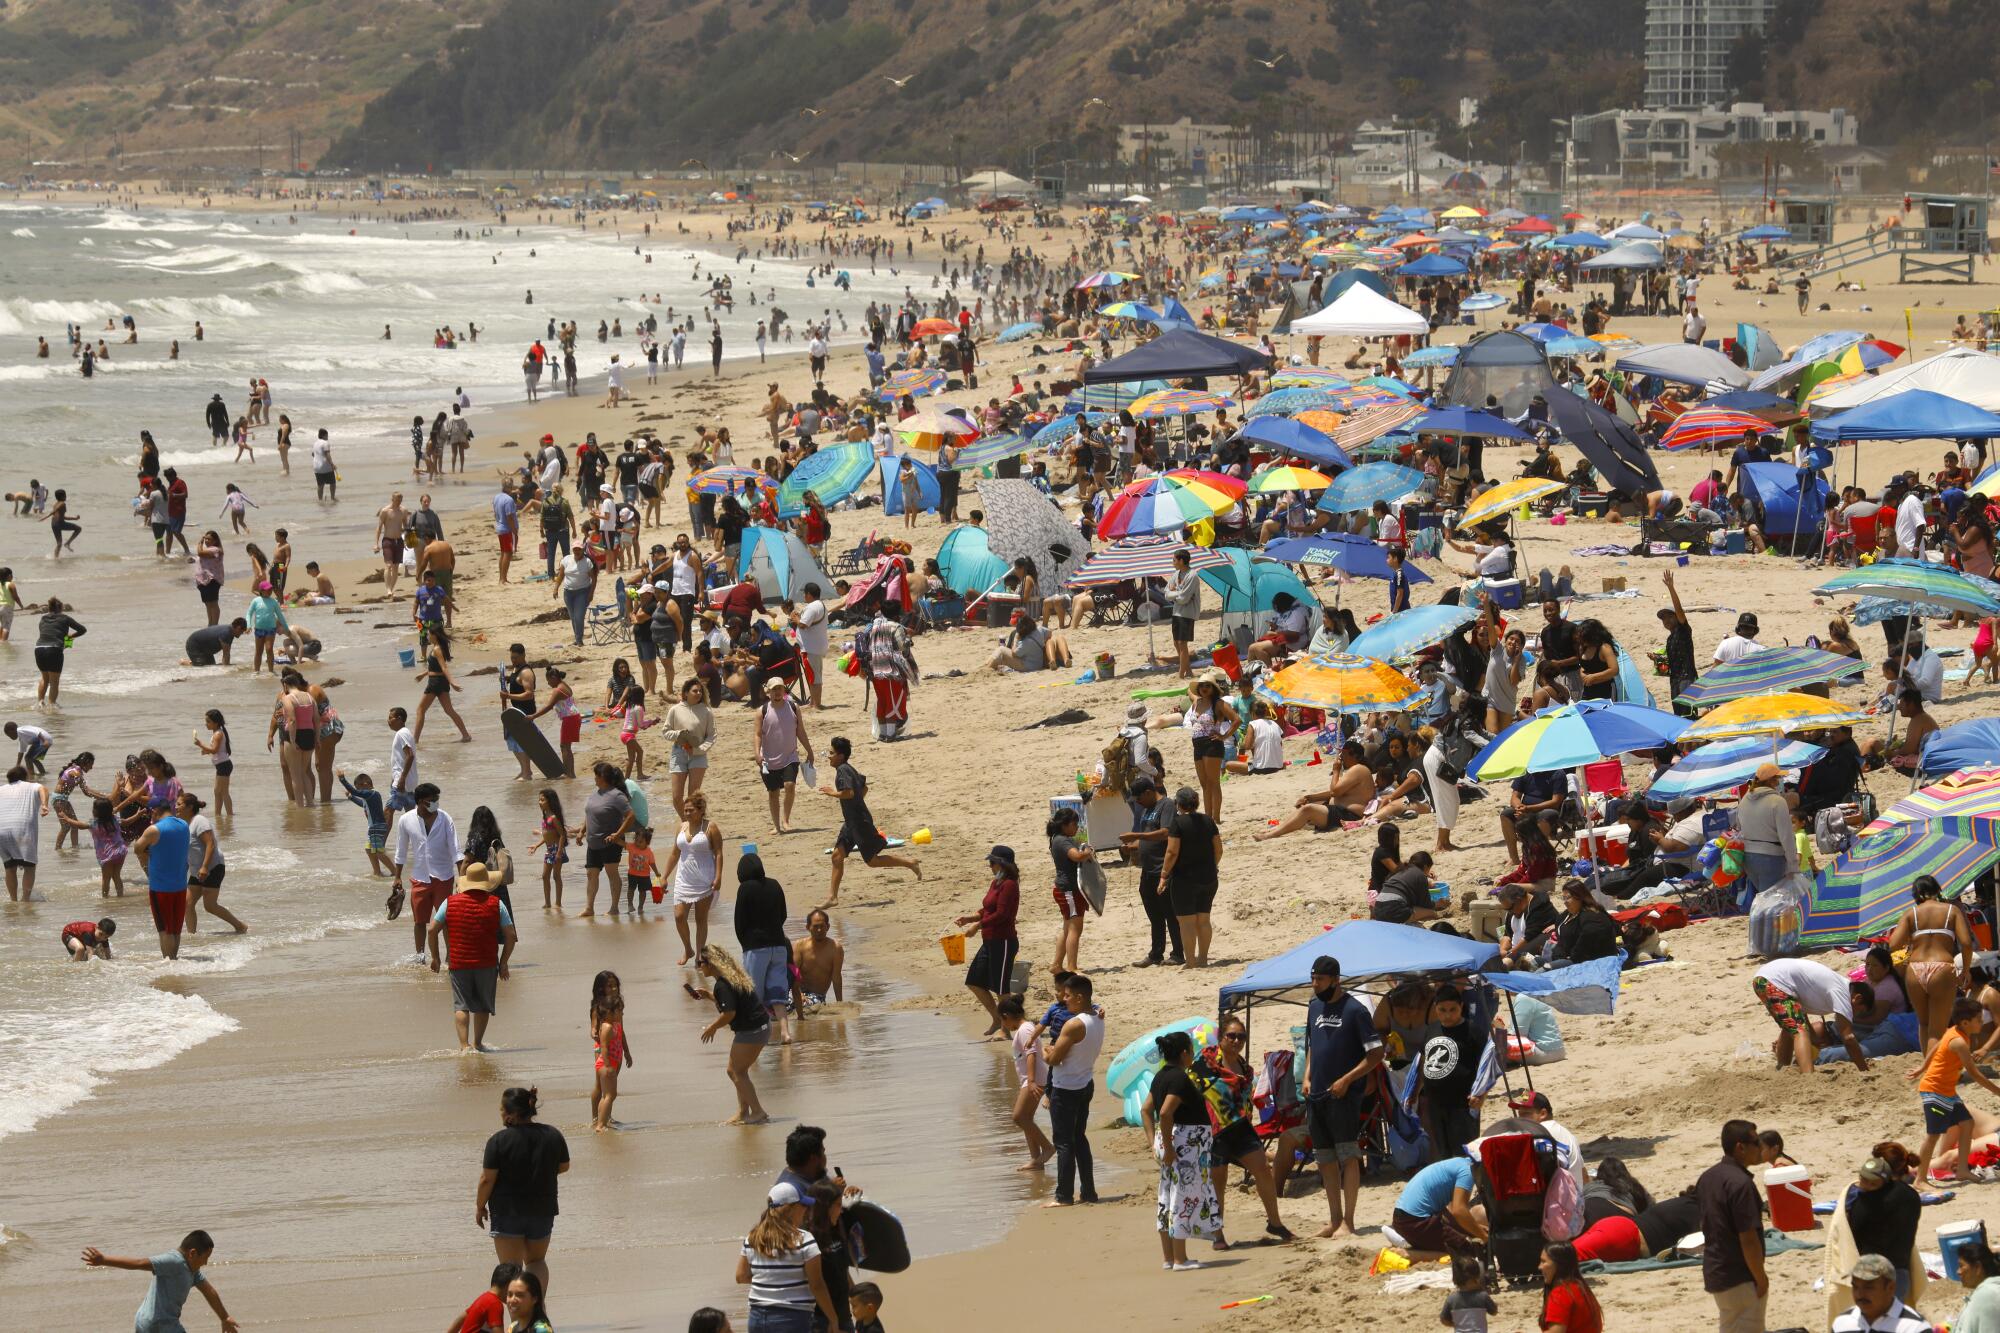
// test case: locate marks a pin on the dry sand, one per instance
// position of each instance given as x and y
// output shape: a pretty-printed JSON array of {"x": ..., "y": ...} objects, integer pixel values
[{"x": 1686, "y": 1051}]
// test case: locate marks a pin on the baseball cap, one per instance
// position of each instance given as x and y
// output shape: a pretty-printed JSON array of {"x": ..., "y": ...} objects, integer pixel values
[
  {"x": 1871, "y": 1268},
  {"x": 783, "y": 1194},
  {"x": 1875, "y": 1168},
  {"x": 1768, "y": 772},
  {"x": 1326, "y": 965},
  {"x": 1534, "y": 1101}
]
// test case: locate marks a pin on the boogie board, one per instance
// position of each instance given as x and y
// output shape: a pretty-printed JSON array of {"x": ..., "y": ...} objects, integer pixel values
[
  {"x": 875, "y": 1238},
  {"x": 521, "y": 730}
]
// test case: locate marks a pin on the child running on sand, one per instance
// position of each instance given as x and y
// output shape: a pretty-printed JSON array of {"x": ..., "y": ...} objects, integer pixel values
[
  {"x": 554, "y": 842},
  {"x": 640, "y": 870},
  {"x": 362, "y": 792},
  {"x": 607, "y": 1035}
]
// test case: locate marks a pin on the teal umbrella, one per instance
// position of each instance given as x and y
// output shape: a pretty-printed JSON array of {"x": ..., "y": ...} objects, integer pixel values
[
  {"x": 1249, "y": 585},
  {"x": 831, "y": 474}
]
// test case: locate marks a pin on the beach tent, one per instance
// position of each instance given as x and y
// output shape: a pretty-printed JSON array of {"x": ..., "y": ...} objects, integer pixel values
[
  {"x": 780, "y": 563},
  {"x": 1378, "y": 951},
  {"x": 965, "y": 562},
  {"x": 1914, "y": 414},
  {"x": 889, "y": 470},
  {"x": 1611, "y": 445},
  {"x": 1176, "y": 354},
  {"x": 1960, "y": 745},
  {"x": 1684, "y": 363},
  {"x": 1505, "y": 365},
  {"x": 994, "y": 181},
  {"x": 1633, "y": 254},
  {"x": 1961, "y": 372},
  {"x": 1775, "y": 486},
  {"x": 1760, "y": 349},
  {"x": 1337, "y": 286},
  {"x": 1361, "y": 311}
]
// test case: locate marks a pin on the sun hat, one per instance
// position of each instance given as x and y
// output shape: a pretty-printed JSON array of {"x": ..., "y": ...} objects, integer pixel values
[{"x": 475, "y": 877}]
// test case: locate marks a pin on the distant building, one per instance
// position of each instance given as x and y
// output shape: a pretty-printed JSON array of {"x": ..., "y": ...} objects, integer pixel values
[
  {"x": 1649, "y": 145},
  {"x": 1687, "y": 49}
]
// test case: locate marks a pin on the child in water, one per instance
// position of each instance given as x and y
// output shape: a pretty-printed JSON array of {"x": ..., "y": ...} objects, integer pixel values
[
  {"x": 607, "y": 1034},
  {"x": 107, "y": 840},
  {"x": 362, "y": 792},
  {"x": 635, "y": 723},
  {"x": 554, "y": 842},
  {"x": 640, "y": 870}
]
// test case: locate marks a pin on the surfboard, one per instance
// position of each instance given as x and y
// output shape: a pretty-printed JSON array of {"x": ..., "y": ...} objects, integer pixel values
[
  {"x": 875, "y": 1237},
  {"x": 521, "y": 730}
]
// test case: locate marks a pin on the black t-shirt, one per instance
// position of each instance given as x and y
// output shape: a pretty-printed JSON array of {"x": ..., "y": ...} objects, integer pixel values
[
  {"x": 1680, "y": 652},
  {"x": 1729, "y": 1206},
  {"x": 210, "y": 640},
  {"x": 1558, "y": 641},
  {"x": 1195, "y": 863},
  {"x": 746, "y": 1014},
  {"x": 1173, "y": 1081},
  {"x": 1662, "y": 1225},
  {"x": 527, "y": 1158},
  {"x": 853, "y": 809},
  {"x": 1884, "y": 1221},
  {"x": 1153, "y": 851},
  {"x": 628, "y": 468},
  {"x": 1450, "y": 1060},
  {"x": 760, "y": 915},
  {"x": 1401, "y": 891}
]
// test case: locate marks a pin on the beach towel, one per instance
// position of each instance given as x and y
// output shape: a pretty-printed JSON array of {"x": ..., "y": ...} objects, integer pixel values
[{"x": 1775, "y": 1242}]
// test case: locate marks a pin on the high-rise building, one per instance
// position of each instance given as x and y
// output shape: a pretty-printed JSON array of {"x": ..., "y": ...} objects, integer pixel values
[{"x": 1687, "y": 49}]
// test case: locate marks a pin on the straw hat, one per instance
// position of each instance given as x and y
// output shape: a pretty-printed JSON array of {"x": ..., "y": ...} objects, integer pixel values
[{"x": 475, "y": 877}]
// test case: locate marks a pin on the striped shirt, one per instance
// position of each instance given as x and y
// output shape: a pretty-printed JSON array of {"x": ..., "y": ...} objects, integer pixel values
[{"x": 780, "y": 1279}]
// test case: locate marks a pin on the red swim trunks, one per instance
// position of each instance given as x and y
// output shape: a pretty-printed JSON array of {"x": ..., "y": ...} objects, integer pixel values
[{"x": 169, "y": 911}]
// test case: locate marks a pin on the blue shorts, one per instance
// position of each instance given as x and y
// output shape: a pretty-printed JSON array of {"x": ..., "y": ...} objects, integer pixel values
[
  {"x": 1941, "y": 1113},
  {"x": 401, "y": 800},
  {"x": 266, "y": 633},
  {"x": 770, "y": 972},
  {"x": 519, "y": 1225},
  {"x": 644, "y": 646}
]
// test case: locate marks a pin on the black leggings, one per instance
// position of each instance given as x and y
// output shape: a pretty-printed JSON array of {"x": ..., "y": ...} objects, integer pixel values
[{"x": 1159, "y": 914}]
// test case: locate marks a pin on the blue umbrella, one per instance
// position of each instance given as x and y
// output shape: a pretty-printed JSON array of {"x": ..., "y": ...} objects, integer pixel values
[
  {"x": 1483, "y": 301},
  {"x": 1297, "y": 438},
  {"x": 1466, "y": 421},
  {"x": 1569, "y": 736},
  {"x": 1574, "y": 346},
  {"x": 1111, "y": 397},
  {"x": 1350, "y": 553},
  {"x": 1027, "y": 328},
  {"x": 1363, "y": 486},
  {"x": 1769, "y": 231},
  {"x": 831, "y": 474},
  {"x": 1827, "y": 346},
  {"x": 1408, "y": 633},
  {"x": 1543, "y": 333},
  {"x": 991, "y": 449},
  {"x": 1060, "y": 431},
  {"x": 1721, "y": 765},
  {"x": 1425, "y": 357}
]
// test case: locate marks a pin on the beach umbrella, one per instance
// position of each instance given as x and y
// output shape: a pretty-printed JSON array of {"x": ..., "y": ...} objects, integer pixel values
[
  {"x": 1874, "y": 610},
  {"x": 1164, "y": 503},
  {"x": 1408, "y": 633},
  {"x": 1387, "y": 384},
  {"x": 726, "y": 480},
  {"x": 1106, "y": 279},
  {"x": 1309, "y": 377},
  {"x": 1361, "y": 487},
  {"x": 1060, "y": 431},
  {"x": 1111, "y": 397},
  {"x": 1426, "y": 358},
  {"x": 967, "y": 565},
  {"x": 1289, "y": 436},
  {"x": 1180, "y": 403},
  {"x": 1143, "y": 558},
  {"x": 832, "y": 474},
  {"x": 932, "y": 426},
  {"x": 1340, "y": 683},
  {"x": 1023, "y": 522},
  {"x": 1574, "y": 347},
  {"x": 1356, "y": 399},
  {"x": 1285, "y": 402},
  {"x": 1350, "y": 553},
  {"x": 1867, "y": 889},
  {"x": 1915, "y": 581},
  {"x": 1483, "y": 301},
  {"x": 1466, "y": 421},
  {"x": 1128, "y": 310},
  {"x": 1371, "y": 423},
  {"x": 1706, "y": 427},
  {"x": 990, "y": 449},
  {"x": 1771, "y": 671},
  {"x": 1285, "y": 477},
  {"x": 1968, "y": 794},
  {"x": 1772, "y": 715},
  {"x": 1724, "y": 765},
  {"x": 934, "y": 328},
  {"x": 1249, "y": 584},
  {"x": 1027, "y": 328},
  {"x": 916, "y": 383},
  {"x": 1569, "y": 736},
  {"x": 1507, "y": 497}
]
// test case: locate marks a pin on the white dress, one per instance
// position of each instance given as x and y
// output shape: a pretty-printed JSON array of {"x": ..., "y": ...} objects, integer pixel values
[
  {"x": 694, "y": 875},
  {"x": 20, "y": 832}
]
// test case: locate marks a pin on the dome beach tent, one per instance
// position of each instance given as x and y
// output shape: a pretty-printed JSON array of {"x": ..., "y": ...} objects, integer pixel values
[
  {"x": 1505, "y": 365},
  {"x": 780, "y": 563},
  {"x": 1961, "y": 372}
]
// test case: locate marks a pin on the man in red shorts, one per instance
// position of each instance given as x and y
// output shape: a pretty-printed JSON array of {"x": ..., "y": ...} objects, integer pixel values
[{"x": 427, "y": 844}]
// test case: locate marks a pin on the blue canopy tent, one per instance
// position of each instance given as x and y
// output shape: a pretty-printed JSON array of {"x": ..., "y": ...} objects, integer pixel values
[
  {"x": 1775, "y": 486},
  {"x": 889, "y": 471},
  {"x": 1960, "y": 745},
  {"x": 1915, "y": 414},
  {"x": 1431, "y": 266},
  {"x": 1179, "y": 353}
]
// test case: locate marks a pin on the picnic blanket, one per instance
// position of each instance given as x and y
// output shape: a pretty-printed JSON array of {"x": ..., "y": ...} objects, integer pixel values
[{"x": 1775, "y": 1242}]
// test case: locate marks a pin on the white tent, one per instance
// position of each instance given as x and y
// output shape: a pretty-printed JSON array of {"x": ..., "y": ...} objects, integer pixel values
[
  {"x": 1632, "y": 254},
  {"x": 1963, "y": 373},
  {"x": 1361, "y": 311},
  {"x": 994, "y": 181},
  {"x": 1683, "y": 363}
]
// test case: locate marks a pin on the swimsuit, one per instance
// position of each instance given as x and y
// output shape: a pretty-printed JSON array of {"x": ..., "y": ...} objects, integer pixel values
[{"x": 612, "y": 1054}]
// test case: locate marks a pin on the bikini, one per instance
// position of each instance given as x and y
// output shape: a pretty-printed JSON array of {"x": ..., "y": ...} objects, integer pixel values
[{"x": 1925, "y": 969}]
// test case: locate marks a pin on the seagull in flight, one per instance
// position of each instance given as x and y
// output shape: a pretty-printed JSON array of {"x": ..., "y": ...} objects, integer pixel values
[
  {"x": 1096, "y": 101},
  {"x": 809, "y": 111},
  {"x": 1272, "y": 63},
  {"x": 899, "y": 82},
  {"x": 795, "y": 157}
]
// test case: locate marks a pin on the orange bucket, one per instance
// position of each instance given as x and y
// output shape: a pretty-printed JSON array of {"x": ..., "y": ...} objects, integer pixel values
[{"x": 954, "y": 948}]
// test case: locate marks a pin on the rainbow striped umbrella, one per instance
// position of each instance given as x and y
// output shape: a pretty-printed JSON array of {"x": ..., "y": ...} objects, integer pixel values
[
  {"x": 831, "y": 474},
  {"x": 1969, "y": 794},
  {"x": 1727, "y": 764},
  {"x": 1772, "y": 714},
  {"x": 1106, "y": 279},
  {"x": 930, "y": 428},
  {"x": 916, "y": 383},
  {"x": 1705, "y": 427},
  {"x": 1915, "y": 581},
  {"x": 1771, "y": 671},
  {"x": 1160, "y": 504},
  {"x": 1340, "y": 683},
  {"x": 1180, "y": 403},
  {"x": 1220, "y": 482},
  {"x": 1285, "y": 477},
  {"x": 726, "y": 480},
  {"x": 1506, "y": 497},
  {"x": 1144, "y": 558},
  {"x": 1569, "y": 736},
  {"x": 1868, "y": 888},
  {"x": 1128, "y": 310},
  {"x": 1986, "y": 483},
  {"x": 1285, "y": 402}
]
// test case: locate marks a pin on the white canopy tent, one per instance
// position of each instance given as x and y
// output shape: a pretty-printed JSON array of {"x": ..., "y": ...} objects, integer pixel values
[
  {"x": 1633, "y": 254},
  {"x": 994, "y": 181},
  {"x": 1362, "y": 312},
  {"x": 1963, "y": 373}
]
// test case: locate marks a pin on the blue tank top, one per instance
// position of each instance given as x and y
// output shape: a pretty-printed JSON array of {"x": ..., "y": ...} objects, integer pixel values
[{"x": 167, "y": 867}]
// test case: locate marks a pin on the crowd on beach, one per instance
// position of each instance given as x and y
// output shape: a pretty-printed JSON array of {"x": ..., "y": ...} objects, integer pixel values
[{"x": 1396, "y": 1077}]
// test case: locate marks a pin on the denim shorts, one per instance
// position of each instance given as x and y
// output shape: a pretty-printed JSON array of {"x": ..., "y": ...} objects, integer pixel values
[{"x": 770, "y": 972}]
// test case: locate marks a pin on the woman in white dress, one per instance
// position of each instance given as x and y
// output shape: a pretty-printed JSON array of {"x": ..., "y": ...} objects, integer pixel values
[
  {"x": 695, "y": 866},
  {"x": 21, "y": 803}
]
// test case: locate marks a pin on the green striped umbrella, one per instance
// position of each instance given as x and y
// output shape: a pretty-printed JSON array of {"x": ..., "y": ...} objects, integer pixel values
[{"x": 1866, "y": 890}]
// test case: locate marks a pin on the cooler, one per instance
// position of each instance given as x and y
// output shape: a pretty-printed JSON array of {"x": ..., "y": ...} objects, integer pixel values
[
  {"x": 1506, "y": 593},
  {"x": 1789, "y": 1188},
  {"x": 1608, "y": 840},
  {"x": 1954, "y": 1235}
]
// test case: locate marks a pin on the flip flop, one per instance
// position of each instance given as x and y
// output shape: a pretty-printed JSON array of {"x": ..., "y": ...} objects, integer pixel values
[{"x": 395, "y": 903}]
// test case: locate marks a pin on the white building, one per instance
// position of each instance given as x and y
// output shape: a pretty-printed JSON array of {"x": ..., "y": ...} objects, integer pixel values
[
  {"x": 1643, "y": 145},
  {"x": 1687, "y": 48}
]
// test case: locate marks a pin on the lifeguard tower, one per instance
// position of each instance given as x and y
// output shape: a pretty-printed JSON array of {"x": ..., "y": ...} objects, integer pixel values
[
  {"x": 1543, "y": 204},
  {"x": 1940, "y": 237},
  {"x": 1810, "y": 221}
]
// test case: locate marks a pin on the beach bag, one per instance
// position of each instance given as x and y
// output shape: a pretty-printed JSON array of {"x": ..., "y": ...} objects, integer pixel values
[
  {"x": 1562, "y": 1208},
  {"x": 1776, "y": 916},
  {"x": 1118, "y": 769},
  {"x": 1274, "y": 1099},
  {"x": 1831, "y": 834},
  {"x": 500, "y": 864}
]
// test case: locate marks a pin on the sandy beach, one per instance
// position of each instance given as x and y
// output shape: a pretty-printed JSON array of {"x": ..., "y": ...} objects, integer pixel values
[{"x": 331, "y": 1139}]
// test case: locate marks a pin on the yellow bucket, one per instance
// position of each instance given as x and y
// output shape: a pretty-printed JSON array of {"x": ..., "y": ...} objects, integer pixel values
[{"x": 954, "y": 948}]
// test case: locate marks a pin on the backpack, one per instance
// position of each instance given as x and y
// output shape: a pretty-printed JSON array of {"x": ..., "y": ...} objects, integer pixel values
[
  {"x": 1831, "y": 834},
  {"x": 1119, "y": 771}
]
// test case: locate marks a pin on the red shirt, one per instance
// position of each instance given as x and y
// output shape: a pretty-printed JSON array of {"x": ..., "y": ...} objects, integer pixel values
[
  {"x": 745, "y": 599},
  {"x": 998, "y": 910},
  {"x": 1571, "y": 1305},
  {"x": 488, "y": 1312}
]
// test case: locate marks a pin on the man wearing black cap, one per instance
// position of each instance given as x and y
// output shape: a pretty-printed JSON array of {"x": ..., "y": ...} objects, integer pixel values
[{"x": 1343, "y": 1051}]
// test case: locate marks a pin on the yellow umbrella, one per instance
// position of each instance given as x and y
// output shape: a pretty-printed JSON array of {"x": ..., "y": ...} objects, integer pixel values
[
  {"x": 1462, "y": 211},
  {"x": 1338, "y": 682},
  {"x": 1506, "y": 496},
  {"x": 931, "y": 427},
  {"x": 1771, "y": 714}
]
